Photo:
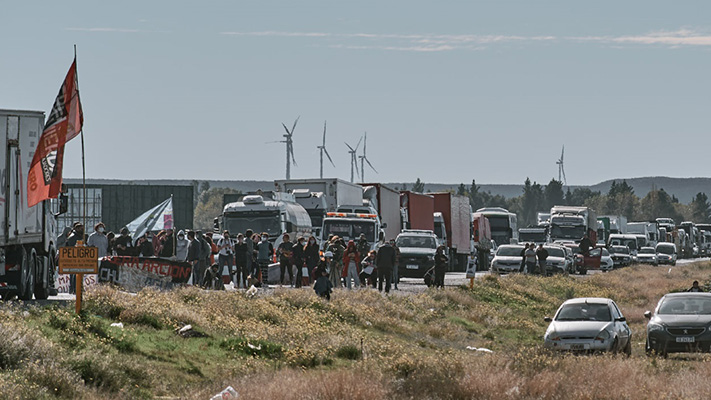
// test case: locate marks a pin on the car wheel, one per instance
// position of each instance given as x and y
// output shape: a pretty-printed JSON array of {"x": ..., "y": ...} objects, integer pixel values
[{"x": 628, "y": 346}]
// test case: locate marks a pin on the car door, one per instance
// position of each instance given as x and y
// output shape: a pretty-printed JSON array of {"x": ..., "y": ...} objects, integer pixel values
[
  {"x": 621, "y": 327},
  {"x": 592, "y": 261}
]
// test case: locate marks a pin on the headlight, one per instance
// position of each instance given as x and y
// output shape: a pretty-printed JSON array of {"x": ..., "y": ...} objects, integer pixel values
[
  {"x": 431, "y": 258},
  {"x": 603, "y": 335},
  {"x": 652, "y": 327},
  {"x": 553, "y": 336}
]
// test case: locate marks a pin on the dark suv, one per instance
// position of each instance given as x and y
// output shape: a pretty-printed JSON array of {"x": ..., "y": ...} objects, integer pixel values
[{"x": 417, "y": 251}]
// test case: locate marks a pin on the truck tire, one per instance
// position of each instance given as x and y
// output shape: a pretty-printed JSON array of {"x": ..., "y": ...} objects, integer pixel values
[
  {"x": 27, "y": 274},
  {"x": 42, "y": 290}
]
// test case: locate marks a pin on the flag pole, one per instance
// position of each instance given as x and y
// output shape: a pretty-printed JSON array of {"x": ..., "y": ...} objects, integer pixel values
[{"x": 80, "y": 277}]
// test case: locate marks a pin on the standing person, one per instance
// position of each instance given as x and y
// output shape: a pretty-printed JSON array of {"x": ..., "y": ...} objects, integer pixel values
[
  {"x": 157, "y": 242},
  {"x": 351, "y": 265},
  {"x": 213, "y": 249},
  {"x": 167, "y": 249},
  {"x": 250, "y": 250},
  {"x": 695, "y": 287},
  {"x": 323, "y": 286},
  {"x": 225, "y": 255},
  {"x": 531, "y": 258},
  {"x": 99, "y": 240},
  {"x": 363, "y": 246},
  {"x": 396, "y": 267},
  {"x": 385, "y": 260},
  {"x": 181, "y": 246},
  {"x": 542, "y": 255},
  {"x": 311, "y": 254},
  {"x": 523, "y": 258},
  {"x": 112, "y": 243},
  {"x": 255, "y": 265},
  {"x": 193, "y": 257},
  {"x": 124, "y": 243},
  {"x": 145, "y": 246},
  {"x": 368, "y": 270},
  {"x": 299, "y": 259},
  {"x": 265, "y": 251},
  {"x": 286, "y": 259},
  {"x": 440, "y": 260},
  {"x": 205, "y": 252},
  {"x": 242, "y": 255},
  {"x": 337, "y": 250},
  {"x": 585, "y": 245},
  {"x": 327, "y": 243}
]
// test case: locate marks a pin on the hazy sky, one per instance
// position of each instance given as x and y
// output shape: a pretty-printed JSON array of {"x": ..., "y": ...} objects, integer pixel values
[{"x": 447, "y": 91}]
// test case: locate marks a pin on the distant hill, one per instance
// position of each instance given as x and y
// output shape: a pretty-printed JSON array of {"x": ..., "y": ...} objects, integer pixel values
[{"x": 683, "y": 188}]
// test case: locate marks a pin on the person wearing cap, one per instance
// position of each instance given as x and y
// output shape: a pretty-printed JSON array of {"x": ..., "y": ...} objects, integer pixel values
[
  {"x": 124, "y": 243},
  {"x": 99, "y": 240},
  {"x": 76, "y": 235}
]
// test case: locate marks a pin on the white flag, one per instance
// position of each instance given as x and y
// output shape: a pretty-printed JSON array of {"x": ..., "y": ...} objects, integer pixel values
[{"x": 155, "y": 219}]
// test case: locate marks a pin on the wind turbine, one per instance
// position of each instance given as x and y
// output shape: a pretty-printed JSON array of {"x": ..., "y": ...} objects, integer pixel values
[
  {"x": 354, "y": 159},
  {"x": 364, "y": 158},
  {"x": 323, "y": 150},
  {"x": 561, "y": 170},
  {"x": 289, "y": 147}
]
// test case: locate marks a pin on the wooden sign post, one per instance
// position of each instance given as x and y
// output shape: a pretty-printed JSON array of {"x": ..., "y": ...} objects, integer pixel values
[{"x": 79, "y": 260}]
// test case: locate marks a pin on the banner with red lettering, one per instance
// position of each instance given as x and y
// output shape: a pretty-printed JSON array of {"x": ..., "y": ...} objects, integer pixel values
[
  {"x": 64, "y": 123},
  {"x": 135, "y": 273}
]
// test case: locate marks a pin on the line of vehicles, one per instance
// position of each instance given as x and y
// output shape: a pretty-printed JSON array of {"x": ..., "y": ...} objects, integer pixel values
[
  {"x": 420, "y": 222},
  {"x": 615, "y": 241}
]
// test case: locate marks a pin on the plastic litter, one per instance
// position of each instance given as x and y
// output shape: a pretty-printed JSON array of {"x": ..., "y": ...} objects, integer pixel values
[
  {"x": 117, "y": 325},
  {"x": 251, "y": 292},
  {"x": 253, "y": 347},
  {"x": 480, "y": 349},
  {"x": 227, "y": 394}
]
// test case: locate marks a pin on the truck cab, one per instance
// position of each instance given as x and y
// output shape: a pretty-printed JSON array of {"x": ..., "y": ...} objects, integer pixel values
[
  {"x": 440, "y": 230},
  {"x": 350, "y": 225}
]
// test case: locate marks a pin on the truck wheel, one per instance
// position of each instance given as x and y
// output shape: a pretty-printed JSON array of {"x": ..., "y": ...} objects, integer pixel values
[
  {"x": 42, "y": 290},
  {"x": 27, "y": 275}
]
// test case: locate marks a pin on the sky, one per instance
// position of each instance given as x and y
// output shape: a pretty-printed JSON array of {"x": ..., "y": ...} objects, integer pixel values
[{"x": 447, "y": 91}]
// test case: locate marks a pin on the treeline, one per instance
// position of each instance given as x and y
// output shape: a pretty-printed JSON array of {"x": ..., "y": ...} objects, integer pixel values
[{"x": 619, "y": 200}]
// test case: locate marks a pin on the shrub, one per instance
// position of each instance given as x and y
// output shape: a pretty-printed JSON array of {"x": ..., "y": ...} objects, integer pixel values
[{"x": 348, "y": 352}]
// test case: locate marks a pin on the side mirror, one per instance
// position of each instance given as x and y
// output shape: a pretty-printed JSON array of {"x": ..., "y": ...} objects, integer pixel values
[
  {"x": 648, "y": 314},
  {"x": 621, "y": 319},
  {"x": 548, "y": 319},
  {"x": 63, "y": 203},
  {"x": 384, "y": 225}
]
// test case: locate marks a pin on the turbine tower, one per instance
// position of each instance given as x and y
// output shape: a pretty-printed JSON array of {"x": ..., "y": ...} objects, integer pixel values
[
  {"x": 354, "y": 159},
  {"x": 561, "y": 170},
  {"x": 289, "y": 147},
  {"x": 364, "y": 159},
  {"x": 323, "y": 150}
]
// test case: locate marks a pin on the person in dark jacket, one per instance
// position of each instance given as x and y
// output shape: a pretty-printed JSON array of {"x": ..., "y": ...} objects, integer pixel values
[
  {"x": 323, "y": 286},
  {"x": 168, "y": 248},
  {"x": 585, "y": 245},
  {"x": 363, "y": 246},
  {"x": 311, "y": 254},
  {"x": 194, "y": 258},
  {"x": 385, "y": 260},
  {"x": 523, "y": 258},
  {"x": 542, "y": 255},
  {"x": 440, "y": 260},
  {"x": 145, "y": 246},
  {"x": 242, "y": 258},
  {"x": 695, "y": 287},
  {"x": 124, "y": 243},
  {"x": 286, "y": 259},
  {"x": 299, "y": 261}
]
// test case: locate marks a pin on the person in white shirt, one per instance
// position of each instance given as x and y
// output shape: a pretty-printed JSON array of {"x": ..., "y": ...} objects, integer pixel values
[
  {"x": 225, "y": 255},
  {"x": 99, "y": 240}
]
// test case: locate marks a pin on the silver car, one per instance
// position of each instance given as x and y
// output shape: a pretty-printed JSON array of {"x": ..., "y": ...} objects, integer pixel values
[
  {"x": 647, "y": 255},
  {"x": 507, "y": 259},
  {"x": 588, "y": 324}
]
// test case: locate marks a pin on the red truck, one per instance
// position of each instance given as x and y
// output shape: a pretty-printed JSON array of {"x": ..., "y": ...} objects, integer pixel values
[
  {"x": 457, "y": 215},
  {"x": 417, "y": 210}
]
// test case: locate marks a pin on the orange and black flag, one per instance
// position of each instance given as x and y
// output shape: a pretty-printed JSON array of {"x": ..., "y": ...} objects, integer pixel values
[{"x": 64, "y": 123}]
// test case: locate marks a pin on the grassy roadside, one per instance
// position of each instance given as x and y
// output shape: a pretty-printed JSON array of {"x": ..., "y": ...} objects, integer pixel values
[{"x": 360, "y": 345}]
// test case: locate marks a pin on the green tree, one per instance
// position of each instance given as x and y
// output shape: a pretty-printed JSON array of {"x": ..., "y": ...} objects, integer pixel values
[
  {"x": 656, "y": 204},
  {"x": 553, "y": 194},
  {"x": 418, "y": 187},
  {"x": 462, "y": 190},
  {"x": 531, "y": 202},
  {"x": 700, "y": 208},
  {"x": 476, "y": 198},
  {"x": 210, "y": 206}
]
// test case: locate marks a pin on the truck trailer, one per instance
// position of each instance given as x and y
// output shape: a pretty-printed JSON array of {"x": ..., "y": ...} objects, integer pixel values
[
  {"x": 457, "y": 214},
  {"x": 386, "y": 202},
  {"x": 28, "y": 241},
  {"x": 417, "y": 210}
]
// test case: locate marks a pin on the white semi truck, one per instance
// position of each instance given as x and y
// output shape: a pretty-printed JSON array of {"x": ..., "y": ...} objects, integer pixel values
[
  {"x": 28, "y": 240},
  {"x": 570, "y": 223}
]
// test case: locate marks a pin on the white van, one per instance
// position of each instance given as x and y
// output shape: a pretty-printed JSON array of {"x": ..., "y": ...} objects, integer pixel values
[{"x": 666, "y": 253}]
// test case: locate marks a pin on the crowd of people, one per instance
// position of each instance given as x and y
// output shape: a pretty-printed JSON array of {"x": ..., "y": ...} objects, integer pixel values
[{"x": 246, "y": 257}]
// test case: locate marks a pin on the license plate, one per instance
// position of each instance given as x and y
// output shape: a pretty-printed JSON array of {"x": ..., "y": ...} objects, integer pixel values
[
  {"x": 413, "y": 266},
  {"x": 578, "y": 346},
  {"x": 685, "y": 339}
]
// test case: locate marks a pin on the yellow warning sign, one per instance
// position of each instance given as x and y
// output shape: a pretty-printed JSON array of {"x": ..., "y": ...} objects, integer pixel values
[{"x": 78, "y": 260}]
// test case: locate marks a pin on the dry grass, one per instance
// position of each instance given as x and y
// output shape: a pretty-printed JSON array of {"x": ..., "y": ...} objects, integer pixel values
[{"x": 293, "y": 345}]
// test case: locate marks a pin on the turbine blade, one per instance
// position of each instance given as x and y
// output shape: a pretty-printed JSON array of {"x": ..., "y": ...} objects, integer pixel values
[
  {"x": 360, "y": 140},
  {"x": 564, "y": 178},
  {"x": 349, "y": 146},
  {"x": 286, "y": 129},
  {"x": 329, "y": 156},
  {"x": 291, "y": 151},
  {"x": 324, "y": 133},
  {"x": 293, "y": 127},
  {"x": 365, "y": 141},
  {"x": 371, "y": 165}
]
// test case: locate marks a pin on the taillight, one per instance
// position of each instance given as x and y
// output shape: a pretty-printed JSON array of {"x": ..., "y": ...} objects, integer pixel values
[{"x": 12, "y": 267}]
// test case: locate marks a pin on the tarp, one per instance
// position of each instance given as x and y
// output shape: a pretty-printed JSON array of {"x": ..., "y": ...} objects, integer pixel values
[
  {"x": 135, "y": 273},
  {"x": 155, "y": 219}
]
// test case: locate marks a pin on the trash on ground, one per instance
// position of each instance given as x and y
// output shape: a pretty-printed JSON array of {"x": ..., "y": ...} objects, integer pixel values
[
  {"x": 480, "y": 349},
  {"x": 117, "y": 325},
  {"x": 227, "y": 394}
]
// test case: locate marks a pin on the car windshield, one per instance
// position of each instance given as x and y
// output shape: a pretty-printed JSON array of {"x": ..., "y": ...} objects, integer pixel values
[
  {"x": 567, "y": 232},
  {"x": 620, "y": 250},
  {"x": 691, "y": 305},
  {"x": 646, "y": 250},
  {"x": 605, "y": 253},
  {"x": 426, "y": 242},
  {"x": 256, "y": 221},
  {"x": 555, "y": 252},
  {"x": 536, "y": 237},
  {"x": 584, "y": 312},
  {"x": 509, "y": 251},
  {"x": 665, "y": 249},
  {"x": 350, "y": 229}
]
